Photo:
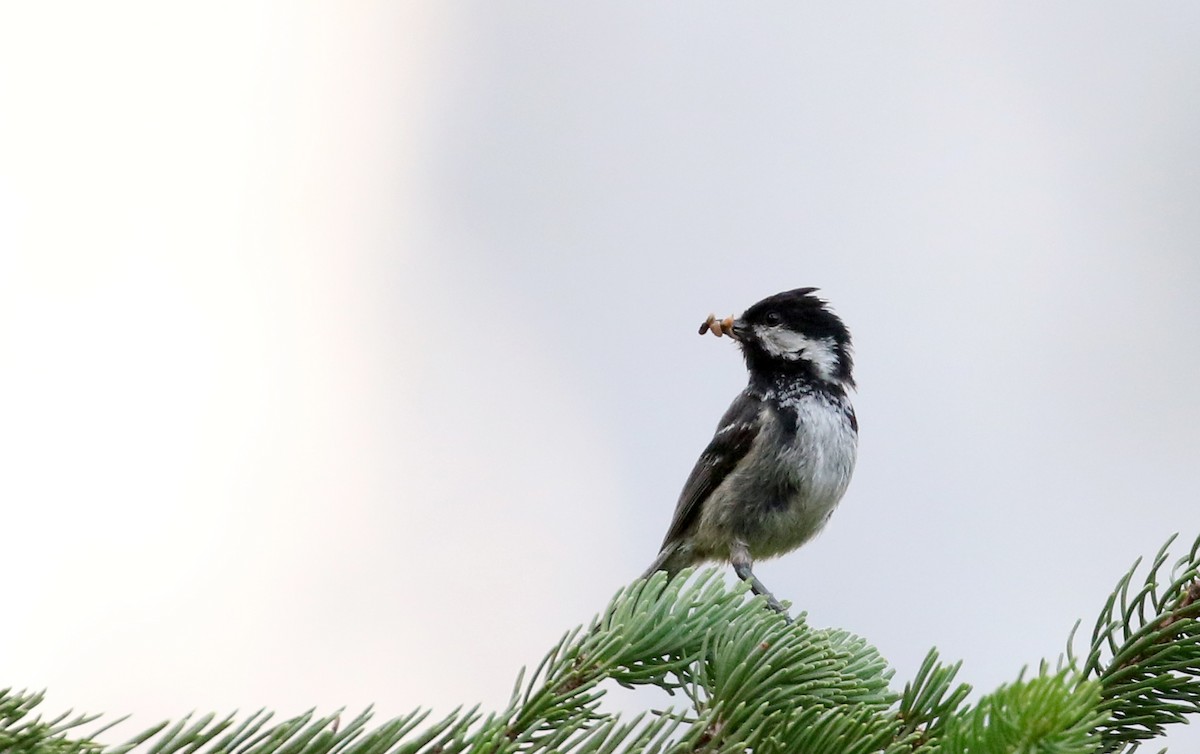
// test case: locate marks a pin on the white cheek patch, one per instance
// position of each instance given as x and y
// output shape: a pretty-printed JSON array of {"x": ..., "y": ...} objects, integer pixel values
[{"x": 791, "y": 345}]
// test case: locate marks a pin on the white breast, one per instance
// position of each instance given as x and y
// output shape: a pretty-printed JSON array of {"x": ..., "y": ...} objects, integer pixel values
[{"x": 825, "y": 448}]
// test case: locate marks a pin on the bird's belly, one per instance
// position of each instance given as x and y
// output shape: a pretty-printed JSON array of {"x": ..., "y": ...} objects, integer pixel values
[
  {"x": 766, "y": 522},
  {"x": 789, "y": 524}
]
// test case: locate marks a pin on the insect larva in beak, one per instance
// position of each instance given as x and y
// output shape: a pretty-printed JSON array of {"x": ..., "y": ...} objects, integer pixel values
[{"x": 718, "y": 327}]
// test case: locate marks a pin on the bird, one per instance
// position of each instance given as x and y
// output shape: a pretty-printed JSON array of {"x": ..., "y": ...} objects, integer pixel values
[{"x": 784, "y": 451}]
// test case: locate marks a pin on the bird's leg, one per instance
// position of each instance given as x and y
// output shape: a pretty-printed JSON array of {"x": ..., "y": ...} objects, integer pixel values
[{"x": 739, "y": 557}]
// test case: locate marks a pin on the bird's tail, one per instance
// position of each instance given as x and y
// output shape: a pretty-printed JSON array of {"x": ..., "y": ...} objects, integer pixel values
[{"x": 671, "y": 559}]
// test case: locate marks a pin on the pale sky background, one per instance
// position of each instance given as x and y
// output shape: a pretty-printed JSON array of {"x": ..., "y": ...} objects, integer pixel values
[{"x": 348, "y": 353}]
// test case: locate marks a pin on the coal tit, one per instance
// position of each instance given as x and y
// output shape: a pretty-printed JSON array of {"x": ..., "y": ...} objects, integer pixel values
[{"x": 783, "y": 453}]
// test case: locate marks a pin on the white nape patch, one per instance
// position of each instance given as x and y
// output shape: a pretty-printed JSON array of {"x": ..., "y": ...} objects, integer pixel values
[{"x": 791, "y": 345}]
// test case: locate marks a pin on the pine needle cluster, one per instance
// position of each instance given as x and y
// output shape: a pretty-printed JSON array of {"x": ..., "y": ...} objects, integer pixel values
[{"x": 748, "y": 681}]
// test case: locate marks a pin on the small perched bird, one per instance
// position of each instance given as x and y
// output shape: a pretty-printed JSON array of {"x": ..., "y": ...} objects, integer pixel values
[{"x": 783, "y": 452}]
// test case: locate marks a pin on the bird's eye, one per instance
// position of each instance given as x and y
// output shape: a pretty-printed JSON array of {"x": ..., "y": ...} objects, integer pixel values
[{"x": 773, "y": 318}]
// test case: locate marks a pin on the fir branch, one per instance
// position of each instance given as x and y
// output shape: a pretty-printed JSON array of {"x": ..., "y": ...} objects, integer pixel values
[
  {"x": 751, "y": 681},
  {"x": 1145, "y": 651},
  {"x": 929, "y": 700},
  {"x": 1049, "y": 713}
]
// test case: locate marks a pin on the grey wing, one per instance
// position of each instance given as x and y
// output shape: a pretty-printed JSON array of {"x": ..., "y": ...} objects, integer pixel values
[{"x": 735, "y": 434}]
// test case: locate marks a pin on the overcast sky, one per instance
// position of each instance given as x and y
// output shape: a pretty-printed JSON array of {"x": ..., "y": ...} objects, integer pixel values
[{"x": 349, "y": 353}]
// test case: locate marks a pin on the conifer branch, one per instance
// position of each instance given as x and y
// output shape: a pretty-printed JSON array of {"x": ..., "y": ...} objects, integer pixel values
[
  {"x": 1145, "y": 651},
  {"x": 750, "y": 682}
]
